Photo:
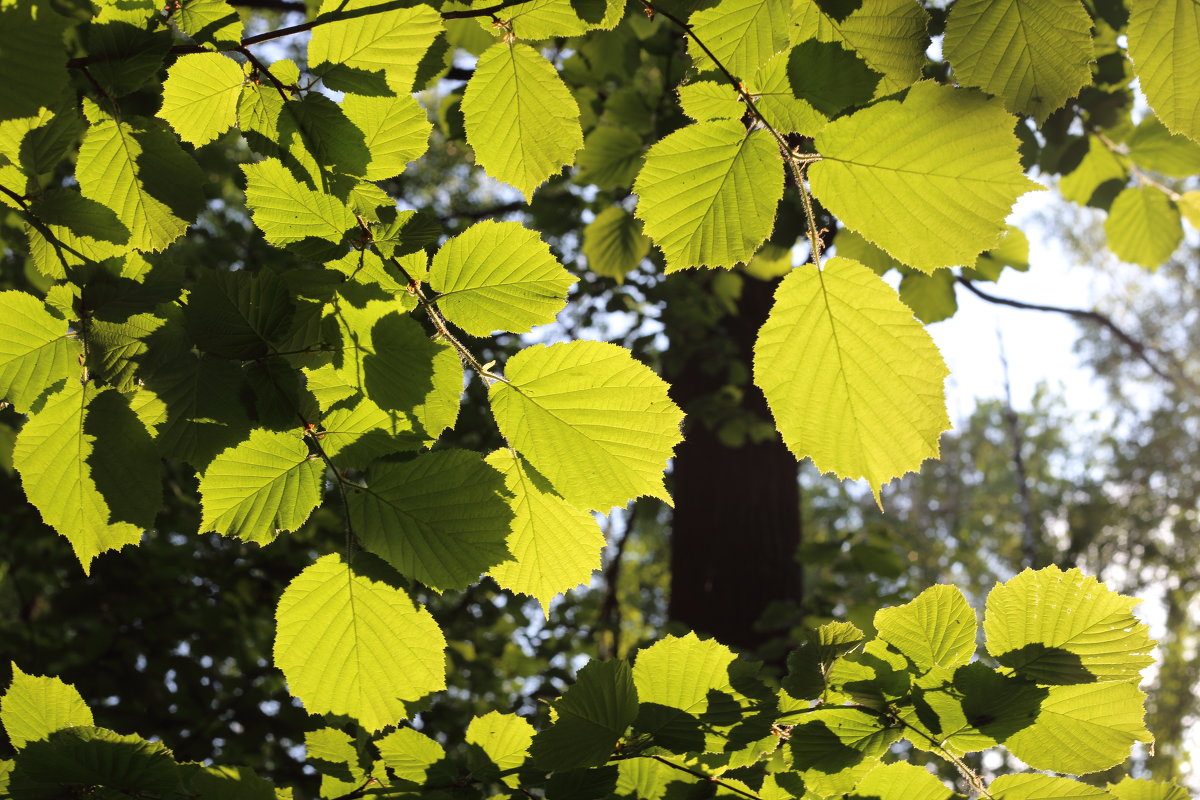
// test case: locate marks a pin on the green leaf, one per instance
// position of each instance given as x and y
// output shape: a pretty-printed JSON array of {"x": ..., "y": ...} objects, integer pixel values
[
  {"x": 440, "y": 518},
  {"x": 889, "y": 35},
  {"x": 1137, "y": 789},
  {"x": 1043, "y": 787},
  {"x": 682, "y": 672},
  {"x": 387, "y": 356},
  {"x": 834, "y": 748},
  {"x": 36, "y": 350},
  {"x": 1166, "y": 59},
  {"x": 1189, "y": 206},
  {"x": 353, "y": 436},
  {"x": 829, "y": 77},
  {"x": 708, "y": 194},
  {"x": 267, "y": 485},
  {"x": 900, "y": 781},
  {"x": 211, "y": 21},
  {"x": 504, "y": 740},
  {"x": 35, "y": 707},
  {"x": 1058, "y": 627},
  {"x": 1083, "y": 728},
  {"x": 200, "y": 96},
  {"x": 1012, "y": 252},
  {"x": 350, "y": 644},
  {"x": 287, "y": 211},
  {"x": 239, "y": 315},
  {"x": 613, "y": 243},
  {"x": 373, "y": 53},
  {"x": 396, "y": 131},
  {"x": 410, "y": 754},
  {"x": 546, "y": 19},
  {"x": 942, "y": 159},
  {"x": 1097, "y": 168},
  {"x": 597, "y": 424},
  {"x": 88, "y": 465},
  {"x": 116, "y": 348},
  {"x": 931, "y": 297},
  {"x": 610, "y": 159},
  {"x": 137, "y": 169},
  {"x": 808, "y": 665},
  {"x": 742, "y": 34},
  {"x": 853, "y": 381},
  {"x": 86, "y": 232},
  {"x": 31, "y": 46},
  {"x": 771, "y": 88},
  {"x": 76, "y": 762},
  {"x": 521, "y": 120},
  {"x": 332, "y": 753},
  {"x": 1153, "y": 147},
  {"x": 592, "y": 715},
  {"x": 1143, "y": 227},
  {"x": 937, "y": 629},
  {"x": 226, "y": 783},
  {"x": 554, "y": 546},
  {"x": 126, "y": 52},
  {"x": 1034, "y": 56},
  {"x": 498, "y": 276},
  {"x": 706, "y": 100}
]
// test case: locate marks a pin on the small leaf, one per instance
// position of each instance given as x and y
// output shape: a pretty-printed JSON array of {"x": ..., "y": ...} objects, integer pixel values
[
  {"x": 521, "y": 120},
  {"x": 410, "y": 754},
  {"x": 1143, "y": 227},
  {"x": 708, "y": 194},
  {"x": 853, "y": 381},
  {"x": 597, "y": 424},
  {"x": 613, "y": 243},
  {"x": 829, "y": 77},
  {"x": 498, "y": 276},
  {"x": 610, "y": 159},
  {"x": 1153, "y": 147},
  {"x": 555, "y": 546},
  {"x": 267, "y": 485},
  {"x": 287, "y": 211},
  {"x": 200, "y": 96},
  {"x": 350, "y": 644},
  {"x": 504, "y": 740},
  {"x": 35, "y": 707},
  {"x": 706, "y": 100},
  {"x": 36, "y": 351},
  {"x": 396, "y": 132},
  {"x": 937, "y": 629}
]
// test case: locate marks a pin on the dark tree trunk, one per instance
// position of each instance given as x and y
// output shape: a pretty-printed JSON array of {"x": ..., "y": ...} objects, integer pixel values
[{"x": 736, "y": 527}]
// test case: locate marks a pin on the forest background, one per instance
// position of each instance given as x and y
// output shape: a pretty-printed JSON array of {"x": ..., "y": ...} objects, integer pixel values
[{"x": 173, "y": 638}]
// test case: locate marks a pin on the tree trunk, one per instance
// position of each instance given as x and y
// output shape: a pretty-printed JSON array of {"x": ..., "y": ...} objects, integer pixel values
[{"x": 736, "y": 527}]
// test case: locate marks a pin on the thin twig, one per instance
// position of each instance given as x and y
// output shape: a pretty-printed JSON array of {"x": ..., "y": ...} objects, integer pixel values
[
  {"x": 58, "y": 244},
  {"x": 262, "y": 69}
]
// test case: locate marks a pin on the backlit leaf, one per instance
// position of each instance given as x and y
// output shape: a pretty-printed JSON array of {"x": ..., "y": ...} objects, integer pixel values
[
  {"x": 592, "y": 715},
  {"x": 498, "y": 276},
  {"x": 288, "y": 211},
  {"x": 1043, "y": 787},
  {"x": 742, "y": 34},
  {"x": 200, "y": 96},
  {"x": 1033, "y": 55},
  {"x": 708, "y": 193},
  {"x": 351, "y": 644},
  {"x": 36, "y": 350},
  {"x": 613, "y": 243},
  {"x": 937, "y": 629},
  {"x": 1143, "y": 227},
  {"x": 1164, "y": 43},
  {"x": 555, "y": 546},
  {"x": 597, "y": 424},
  {"x": 376, "y": 53},
  {"x": 521, "y": 120},
  {"x": 854, "y": 382},
  {"x": 265, "y": 486},
  {"x": 396, "y": 131},
  {"x": 34, "y": 707},
  {"x": 900, "y": 781},
  {"x": 951, "y": 148}
]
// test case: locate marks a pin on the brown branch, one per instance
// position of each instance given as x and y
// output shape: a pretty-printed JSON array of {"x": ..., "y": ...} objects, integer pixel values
[
  {"x": 1139, "y": 349},
  {"x": 707, "y": 778}
]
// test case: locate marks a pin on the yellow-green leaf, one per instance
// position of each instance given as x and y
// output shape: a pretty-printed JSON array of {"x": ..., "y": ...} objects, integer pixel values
[{"x": 1164, "y": 43}]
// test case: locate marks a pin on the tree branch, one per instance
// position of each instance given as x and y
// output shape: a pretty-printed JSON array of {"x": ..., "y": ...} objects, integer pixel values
[
  {"x": 1139, "y": 349},
  {"x": 706, "y": 778}
]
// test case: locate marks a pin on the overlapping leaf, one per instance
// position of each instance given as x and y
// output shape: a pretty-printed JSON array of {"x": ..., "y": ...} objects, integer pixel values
[
  {"x": 942, "y": 159},
  {"x": 554, "y": 546},
  {"x": 396, "y": 132},
  {"x": 288, "y": 211},
  {"x": 597, "y": 424},
  {"x": 742, "y": 34},
  {"x": 1033, "y": 55},
  {"x": 708, "y": 193},
  {"x": 498, "y": 276},
  {"x": 260, "y": 488},
  {"x": 351, "y": 644},
  {"x": 200, "y": 96},
  {"x": 374, "y": 53},
  {"x": 854, "y": 382},
  {"x": 99, "y": 498},
  {"x": 901, "y": 781},
  {"x": 592, "y": 715},
  {"x": 613, "y": 243},
  {"x": 440, "y": 519},
  {"x": 521, "y": 120},
  {"x": 937, "y": 629},
  {"x": 1143, "y": 227},
  {"x": 34, "y": 707},
  {"x": 1063, "y": 627},
  {"x": 1166, "y": 58},
  {"x": 36, "y": 350}
]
